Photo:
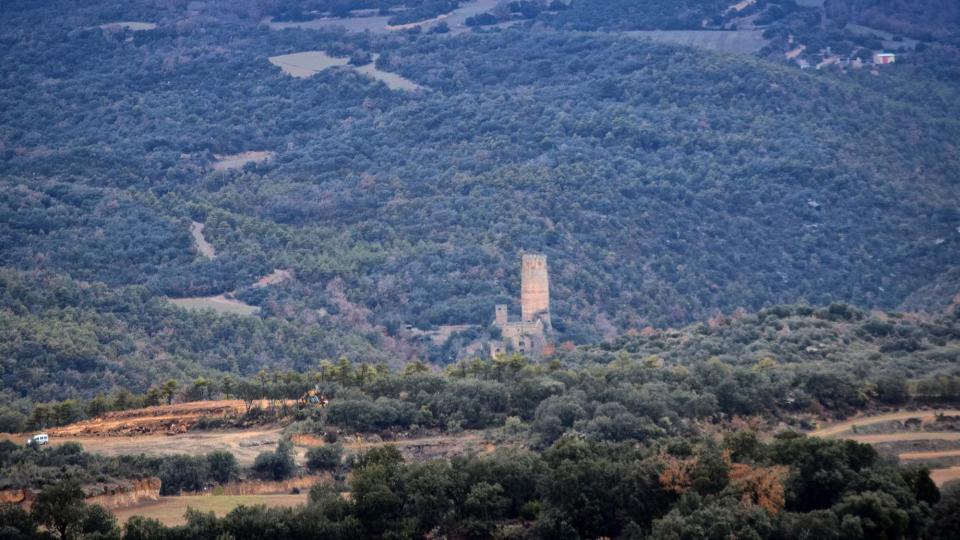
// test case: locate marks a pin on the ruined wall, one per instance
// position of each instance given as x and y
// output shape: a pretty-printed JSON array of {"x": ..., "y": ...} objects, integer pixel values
[
  {"x": 500, "y": 315},
  {"x": 534, "y": 288}
]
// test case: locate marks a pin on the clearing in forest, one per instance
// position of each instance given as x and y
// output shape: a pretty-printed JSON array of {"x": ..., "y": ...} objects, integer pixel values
[
  {"x": 134, "y": 26},
  {"x": 205, "y": 248},
  {"x": 273, "y": 278},
  {"x": 308, "y": 63},
  {"x": 237, "y": 161}
]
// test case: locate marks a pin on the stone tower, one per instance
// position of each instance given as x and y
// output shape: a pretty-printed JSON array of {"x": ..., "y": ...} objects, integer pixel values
[{"x": 534, "y": 289}]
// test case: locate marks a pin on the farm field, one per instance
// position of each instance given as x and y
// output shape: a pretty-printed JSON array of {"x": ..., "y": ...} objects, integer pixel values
[
  {"x": 738, "y": 41},
  {"x": 923, "y": 442},
  {"x": 219, "y": 303},
  {"x": 171, "y": 510}
]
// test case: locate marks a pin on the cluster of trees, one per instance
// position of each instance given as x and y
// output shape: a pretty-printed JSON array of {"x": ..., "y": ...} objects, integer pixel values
[
  {"x": 791, "y": 487},
  {"x": 31, "y": 467}
]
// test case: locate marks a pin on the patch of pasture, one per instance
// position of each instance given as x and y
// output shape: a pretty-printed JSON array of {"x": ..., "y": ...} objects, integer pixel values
[
  {"x": 219, "y": 303},
  {"x": 236, "y": 161},
  {"x": 135, "y": 26},
  {"x": 735, "y": 41}
]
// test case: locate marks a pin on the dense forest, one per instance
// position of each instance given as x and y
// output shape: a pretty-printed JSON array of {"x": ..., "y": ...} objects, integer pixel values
[
  {"x": 585, "y": 147},
  {"x": 666, "y": 185}
]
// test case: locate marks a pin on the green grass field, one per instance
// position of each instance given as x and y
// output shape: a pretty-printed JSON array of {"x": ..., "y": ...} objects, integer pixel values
[{"x": 171, "y": 510}]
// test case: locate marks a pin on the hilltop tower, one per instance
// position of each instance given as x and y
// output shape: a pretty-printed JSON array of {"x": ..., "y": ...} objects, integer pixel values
[{"x": 534, "y": 289}]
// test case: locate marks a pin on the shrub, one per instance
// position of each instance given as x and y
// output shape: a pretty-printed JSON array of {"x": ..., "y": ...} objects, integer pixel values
[
  {"x": 324, "y": 458},
  {"x": 277, "y": 465},
  {"x": 223, "y": 466}
]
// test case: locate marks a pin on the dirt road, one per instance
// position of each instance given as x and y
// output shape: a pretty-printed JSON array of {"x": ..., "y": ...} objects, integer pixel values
[
  {"x": 942, "y": 476},
  {"x": 908, "y": 456},
  {"x": 925, "y": 416}
]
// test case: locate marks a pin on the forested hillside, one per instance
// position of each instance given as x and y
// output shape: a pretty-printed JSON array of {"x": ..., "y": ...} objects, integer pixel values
[{"x": 664, "y": 183}]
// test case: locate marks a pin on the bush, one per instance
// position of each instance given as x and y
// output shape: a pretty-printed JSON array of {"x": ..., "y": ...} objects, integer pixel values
[
  {"x": 324, "y": 458},
  {"x": 179, "y": 473},
  {"x": 223, "y": 466},
  {"x": 277, "y": 465}
]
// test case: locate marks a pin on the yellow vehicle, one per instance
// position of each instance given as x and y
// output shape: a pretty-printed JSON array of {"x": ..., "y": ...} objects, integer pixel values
[{"x": 312, "y": 398}]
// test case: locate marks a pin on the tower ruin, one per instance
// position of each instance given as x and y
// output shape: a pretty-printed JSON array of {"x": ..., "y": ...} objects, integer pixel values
[
  {"x": 529, "y": 334},
  {"x": 534, "y": 289}
]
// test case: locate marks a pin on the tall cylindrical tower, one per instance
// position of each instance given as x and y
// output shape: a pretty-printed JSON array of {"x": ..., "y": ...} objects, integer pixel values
[{"x": 534, "y": 288}]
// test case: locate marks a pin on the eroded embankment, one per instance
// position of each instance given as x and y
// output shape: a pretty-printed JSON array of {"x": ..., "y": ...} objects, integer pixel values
[{"x": 110, "y": 495}]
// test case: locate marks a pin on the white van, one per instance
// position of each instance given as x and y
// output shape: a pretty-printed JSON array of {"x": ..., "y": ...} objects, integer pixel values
[{"x": 39, "y": 439}]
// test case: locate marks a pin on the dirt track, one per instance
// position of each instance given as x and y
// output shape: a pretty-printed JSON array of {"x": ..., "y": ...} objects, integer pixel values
[
  {"x": 939, "y": 476},
  {"x": 907, "y": 456},
  {"x": 170, "y": 419},
  {"x": 942, "y": 476},
  {"x": 244, "y": 444},
  {"x": 906, "y": 436},
  {"x": 166, "y": 430},
  {"x": 925, "y": 416}
]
